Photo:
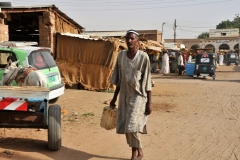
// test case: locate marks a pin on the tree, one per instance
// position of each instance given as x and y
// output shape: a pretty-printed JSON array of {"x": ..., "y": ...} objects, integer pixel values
[
  {"x": 236, "y": 22},
  {"x": 225, "y": 25},
  {"x": 204, "y": 35},
  {"x": 230, "y": 24}
]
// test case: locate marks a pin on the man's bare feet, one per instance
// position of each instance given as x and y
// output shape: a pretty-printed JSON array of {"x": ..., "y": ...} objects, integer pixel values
[
  {"x": 134, "y": 154},
  {"x": 140, "y": 157}
]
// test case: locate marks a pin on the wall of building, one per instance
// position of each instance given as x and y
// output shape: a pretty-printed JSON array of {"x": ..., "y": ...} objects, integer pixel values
[
  {"x": 202, "y": 43},
  {"x": 154, "y": 35},
  {"x": 46, "y": 30},
  {"x": 3, "y": 31},
  {"x": 220, "y": 44},
  {"x": 224, "y": 32},
  {"x": 187, "y": 42},
  {"x": 49, "y": 24}
]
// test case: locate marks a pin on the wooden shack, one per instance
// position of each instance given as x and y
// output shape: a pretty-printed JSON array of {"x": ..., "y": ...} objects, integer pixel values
[{"x": 35, "y": 23}]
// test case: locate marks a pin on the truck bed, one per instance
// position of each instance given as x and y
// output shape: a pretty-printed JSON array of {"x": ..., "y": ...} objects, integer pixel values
[
  {"x": 20, "y": 107},
  {"x": 26, "y": 92}
]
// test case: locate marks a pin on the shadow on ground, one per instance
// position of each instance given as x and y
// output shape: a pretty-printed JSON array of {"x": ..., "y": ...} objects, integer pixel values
[
  {"x": 174, "y": 76},
  {"x": 40, "y": 146}
]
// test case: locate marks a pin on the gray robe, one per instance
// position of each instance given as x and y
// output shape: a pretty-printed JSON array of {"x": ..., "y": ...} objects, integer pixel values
[{"x": 134, "y": 79}]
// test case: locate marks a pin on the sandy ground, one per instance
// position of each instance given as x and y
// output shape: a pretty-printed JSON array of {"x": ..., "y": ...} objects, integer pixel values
[{"x": 192, "y": 119}]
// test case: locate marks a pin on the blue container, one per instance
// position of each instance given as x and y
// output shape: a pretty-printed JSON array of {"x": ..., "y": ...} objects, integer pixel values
[{"x": 190, "y": 69}]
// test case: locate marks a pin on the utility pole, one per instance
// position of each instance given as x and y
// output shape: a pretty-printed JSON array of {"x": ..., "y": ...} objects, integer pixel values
[
  {"x": 174, "y": 28},
  {"x": 162, "y": 31}
]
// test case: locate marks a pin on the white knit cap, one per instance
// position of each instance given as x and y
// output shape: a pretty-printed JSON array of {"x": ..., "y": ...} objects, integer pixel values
[{"x": 132, "y": 31}]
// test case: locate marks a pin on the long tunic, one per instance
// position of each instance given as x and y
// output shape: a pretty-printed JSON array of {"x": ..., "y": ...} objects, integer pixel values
[
  {"x": 165, "y": 64},
  {"x": 189, "y": 59},
  {"x": 134, "y": 79},
  {"x": 180, "y": 60},
  {"x": 220, "y": 59}
]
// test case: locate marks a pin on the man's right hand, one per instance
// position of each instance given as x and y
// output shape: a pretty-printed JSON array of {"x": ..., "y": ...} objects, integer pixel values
[{"x": 112, "y": 103}]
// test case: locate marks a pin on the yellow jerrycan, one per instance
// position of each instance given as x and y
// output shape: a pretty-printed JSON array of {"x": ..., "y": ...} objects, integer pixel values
[{"x": 109, "y": 118}]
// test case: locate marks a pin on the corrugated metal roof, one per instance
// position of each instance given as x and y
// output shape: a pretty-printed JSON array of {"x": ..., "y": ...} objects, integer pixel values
[
  {"x": 53, "y": 7},
  {"x": 122, "y": 43},
  {"x": 172, "y": 46},
  {"x": 155, "y": 48},
  {"x": 82, "y": 36},
  {"x": 30, "y": 7},
  {"x": 106, "y": 33}
]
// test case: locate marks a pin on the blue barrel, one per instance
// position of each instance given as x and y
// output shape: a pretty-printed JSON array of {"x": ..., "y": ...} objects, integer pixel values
[{"x": 190, "y": 69}]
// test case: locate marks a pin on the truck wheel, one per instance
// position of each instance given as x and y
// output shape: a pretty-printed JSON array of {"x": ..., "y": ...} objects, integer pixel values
[{"x": 54, "y": 127}]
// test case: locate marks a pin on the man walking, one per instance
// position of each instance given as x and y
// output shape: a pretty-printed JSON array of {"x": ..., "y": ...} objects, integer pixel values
[
  {"x": 132, "y": 78},
  {"x": 180, "y": 64},
  {"x": 165, "y": 63},
  {"x": 221, "y": 59}
]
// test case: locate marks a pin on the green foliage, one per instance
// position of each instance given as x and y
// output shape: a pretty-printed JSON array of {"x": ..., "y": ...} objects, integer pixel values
[
  {"x": 204, "y": 35},
  {"x": 225, "y": 25},
  {"x": 88, "y": 114},
  {"x": 230, "y": 24}
]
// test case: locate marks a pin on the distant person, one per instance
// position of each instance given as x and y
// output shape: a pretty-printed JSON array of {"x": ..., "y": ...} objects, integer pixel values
[
  {"x": 165, "y": 64},
  {"x": 180, "y": 64},
  {"x": 132, "y": 78},
  {"x": 184, "y": 60},
  {"x": 220, "y": 59},
  {"x": 190, "y": 58},
  {"x": 216, "y": 60},
  {"x": 156, "y": 67}
]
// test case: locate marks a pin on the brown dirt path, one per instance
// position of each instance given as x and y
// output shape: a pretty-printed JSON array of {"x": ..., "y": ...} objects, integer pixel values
[{"x": 193, "y": 119}]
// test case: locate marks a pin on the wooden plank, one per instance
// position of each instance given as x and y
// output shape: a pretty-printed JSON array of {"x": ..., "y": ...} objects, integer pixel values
[
  {"x": 24, "y": 92},
  {"x": 25, "y": 88}
]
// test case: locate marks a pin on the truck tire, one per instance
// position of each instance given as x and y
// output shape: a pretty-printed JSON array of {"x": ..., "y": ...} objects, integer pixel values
[{"x": 54, "y": 127}]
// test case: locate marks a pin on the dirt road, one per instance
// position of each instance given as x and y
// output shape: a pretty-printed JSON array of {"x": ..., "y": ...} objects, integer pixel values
[{"x": 193, "y": 119}]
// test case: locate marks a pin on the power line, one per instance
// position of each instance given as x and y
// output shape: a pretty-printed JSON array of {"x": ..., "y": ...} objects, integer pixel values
[
  {"x": 114, "y": 3},
  {"x": 190, "y": 30},
  {"x": 186, "y": 32},
  {"x": 193, "y": 27},
  {"x": 152, "y": 7},
  {"x": 184, "y": 5},
  {"x": 180, "y": 27}
]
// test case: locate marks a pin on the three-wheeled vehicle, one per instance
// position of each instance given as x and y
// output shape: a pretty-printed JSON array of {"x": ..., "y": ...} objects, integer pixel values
[
  {"x": 27, "y": 107},
  {"x": 232, "y": 58},
  {"x": 173, "y": 60},
  {"x": 205, "y": 65}
]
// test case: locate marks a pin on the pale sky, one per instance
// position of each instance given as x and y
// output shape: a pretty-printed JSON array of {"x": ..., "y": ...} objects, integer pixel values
[{"x": 192, "y": 16}]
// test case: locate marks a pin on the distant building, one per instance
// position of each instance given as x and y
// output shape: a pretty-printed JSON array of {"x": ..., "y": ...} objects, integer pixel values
[
  {"x": 223, "y": 33},
  {"x": 154, "y": 35},
  {"x": 219, "y": 39}
]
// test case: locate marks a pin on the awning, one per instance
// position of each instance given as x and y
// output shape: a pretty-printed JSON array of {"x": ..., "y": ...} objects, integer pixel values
[{"x": 154, "y": 48}]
